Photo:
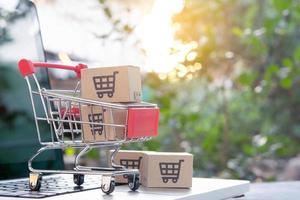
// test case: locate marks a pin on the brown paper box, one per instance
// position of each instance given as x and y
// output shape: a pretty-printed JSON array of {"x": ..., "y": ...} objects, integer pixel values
[
  {"x": 163, "y": 169},
  {"x": 159, "y": 169},
  {"x": 100, "y": 132},
  {"x": 112, "y": 84},
  {"x": 129, "y": 159}
]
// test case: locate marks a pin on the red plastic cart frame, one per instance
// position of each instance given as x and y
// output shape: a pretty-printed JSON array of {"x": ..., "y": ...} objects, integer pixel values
[{"x": 27, "y": 67}]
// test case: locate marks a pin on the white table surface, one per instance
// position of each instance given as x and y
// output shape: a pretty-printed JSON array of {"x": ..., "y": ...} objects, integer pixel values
[
  {"x": 273, "y": 190},
  {"x": 203, "y": 188}
]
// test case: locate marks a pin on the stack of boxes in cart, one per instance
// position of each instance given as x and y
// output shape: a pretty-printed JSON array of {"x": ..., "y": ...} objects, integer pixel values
[
  {"x": 123, "y": 85},
  {"x": 108, "y": 84}
]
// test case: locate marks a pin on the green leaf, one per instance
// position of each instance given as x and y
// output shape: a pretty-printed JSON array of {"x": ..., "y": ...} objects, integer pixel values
[
  {"x": 237, "y": 31},
  {"x": 247, "y": 78},
  {"x": 287, "y": 62},
  {"x": 70, "y": 151},
  {"x": 281, "y": 5},
  {"x": 297, "y": 54},
  {"x": 248, "y": 150},
  {"x": 270, "y": 71},
  {"x": 273, "y": 69},
  {"x": 93, "y": 154},
  {"x": 270, "y": 24},
  {"x": 286, "y": 83},
  {"x": 250, "y": 14}
]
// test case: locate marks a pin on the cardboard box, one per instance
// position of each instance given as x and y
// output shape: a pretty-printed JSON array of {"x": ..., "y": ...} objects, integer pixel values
[
  {"x": 164, "y": 169},
  {"x": 100, "y": 132},
  {"x": 129, "y": 159},
  {"x": 158, "y": 169},
  {"x": 112, "y": 84}
]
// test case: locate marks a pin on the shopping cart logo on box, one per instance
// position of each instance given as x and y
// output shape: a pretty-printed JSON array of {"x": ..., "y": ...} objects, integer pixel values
[
  {"x": 130, "y": 164},
  {"x": 170, "y": 171},
  {"x": 105, "y": 85},
  {"x": 96, "y": 129}
]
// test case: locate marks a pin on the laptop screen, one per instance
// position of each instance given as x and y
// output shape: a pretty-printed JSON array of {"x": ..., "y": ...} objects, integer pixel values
[{"x": 20, "y": 37}]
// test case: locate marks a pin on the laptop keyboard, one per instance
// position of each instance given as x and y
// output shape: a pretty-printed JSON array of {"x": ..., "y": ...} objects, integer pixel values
[{"x": 51, "y": 186}]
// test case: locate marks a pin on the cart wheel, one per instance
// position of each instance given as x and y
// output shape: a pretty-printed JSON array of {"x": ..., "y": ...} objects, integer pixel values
[
  {"x": 78, "y": 179},
  {"x": 174, "y": 180},
  {"x": 100, "y": 95},
  {"x": 35, "y": 181},
  {"x": 110, "y": 94},
  {"x": 108, "y": 188},
  {"x": 134, "y": 182}
]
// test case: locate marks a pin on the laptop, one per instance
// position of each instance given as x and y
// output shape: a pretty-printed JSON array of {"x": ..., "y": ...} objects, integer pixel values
[{"x": 20, "y": 37}]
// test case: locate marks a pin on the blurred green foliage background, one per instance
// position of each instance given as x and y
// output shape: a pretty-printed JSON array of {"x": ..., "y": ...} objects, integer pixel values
[{"x": 234, "y": 102}]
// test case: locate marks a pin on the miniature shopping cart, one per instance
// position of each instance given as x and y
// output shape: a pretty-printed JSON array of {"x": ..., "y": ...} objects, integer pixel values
[
  {"x": 105, "y": 85},
  {"x": 97, "y": 118},
  {"x": 62, "y": 112},
  {"x": 170, "y": 171},
  {"x": 130, "y": 164}
]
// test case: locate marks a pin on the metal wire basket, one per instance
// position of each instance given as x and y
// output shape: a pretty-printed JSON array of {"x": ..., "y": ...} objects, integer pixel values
[{"x": 63, "y": 112}]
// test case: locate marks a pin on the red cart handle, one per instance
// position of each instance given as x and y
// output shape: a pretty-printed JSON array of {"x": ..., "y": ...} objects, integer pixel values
[{"x": 27, "y": 67}]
